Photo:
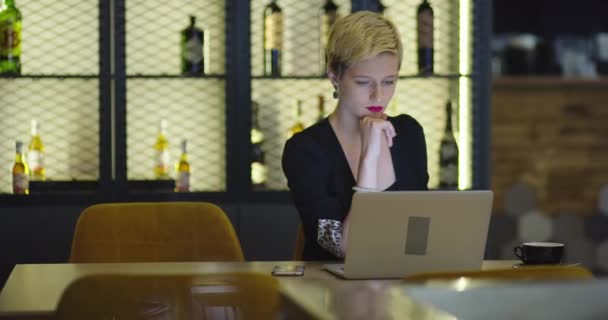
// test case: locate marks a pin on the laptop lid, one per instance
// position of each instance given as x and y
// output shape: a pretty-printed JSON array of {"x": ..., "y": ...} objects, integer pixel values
[{"x": 394, "y": 234}]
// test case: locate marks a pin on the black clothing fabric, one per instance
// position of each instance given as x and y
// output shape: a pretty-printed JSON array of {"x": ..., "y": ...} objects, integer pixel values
[{"x": 320, "y": 179}]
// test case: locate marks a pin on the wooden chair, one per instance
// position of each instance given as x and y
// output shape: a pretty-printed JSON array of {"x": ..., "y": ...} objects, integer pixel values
[
  {"x": 527, "y": 273},
  {"x": 154, "y": 232},
  {"x": 299, "y": 248}
]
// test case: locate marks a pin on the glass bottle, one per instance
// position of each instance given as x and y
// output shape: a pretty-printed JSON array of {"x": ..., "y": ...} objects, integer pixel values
[
  {"x": 21, "y": 172},
  {"x": 329, "y": 15},
  {"x": 448, "y": 154},
  {"x": 10, "y": 39},
  {"x": 35, "y": 155},
  {"x": 192, "y": 57},
  {"x": 182, "y": 179},
  {"x": 273, "y": 39},
  {"x": 298, "y": 125},
  {"x": 321, "y": 108},
  {"x": 425, "y": 38},
  {"x": 259, "y": 170},
  {"x": 161, "y": 150}
]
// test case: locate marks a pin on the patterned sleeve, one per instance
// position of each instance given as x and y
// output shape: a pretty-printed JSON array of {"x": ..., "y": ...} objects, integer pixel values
[{"x": 329, "y": 236}]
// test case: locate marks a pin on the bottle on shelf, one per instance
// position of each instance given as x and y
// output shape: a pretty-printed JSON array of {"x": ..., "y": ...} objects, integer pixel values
[
  {"x": 259, "y": 171},
  {"x": 21, "y": 172},
  {"x": 10, "y": 39},
  {"x": 35, "y": 155},
  {"x": 192, "y": 57},
  {"x": 273, "y": 39},
  {"x": 329, "y": 15},
  {"x": 298, "y": 125},
  {"x": 182, "y": 170},
  {"x": 161, "y": 150},
  {"x": 425, "y": 38},
  {"x": 321, "y": 108},
  {"x": 448, "y": 154}
]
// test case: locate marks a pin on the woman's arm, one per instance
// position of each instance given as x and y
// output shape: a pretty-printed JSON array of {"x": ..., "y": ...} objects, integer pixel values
[
  {"x": 309, "y": 173},
  {"x": 376, "y": 135}
]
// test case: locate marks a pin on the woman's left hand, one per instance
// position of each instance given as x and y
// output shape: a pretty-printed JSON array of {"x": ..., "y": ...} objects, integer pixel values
[{"x": 373, "y": 131}]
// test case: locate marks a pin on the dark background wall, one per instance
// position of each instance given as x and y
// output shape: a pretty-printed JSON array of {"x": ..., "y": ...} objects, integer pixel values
[{"x": 550, "y": 17}]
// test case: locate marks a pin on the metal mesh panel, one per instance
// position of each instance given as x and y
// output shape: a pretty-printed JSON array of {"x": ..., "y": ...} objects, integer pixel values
[
  {"x": 277, "y": 114},
  {"x": 423, "y": 98},
  {"x": 301, "y": 35},
  {"x": 59, "y": 37},
  {"x": 69, "y": 116},
  {"x": 429, "y": 110},
  {"x": 153, "y": 34},
  {"x": 446, "y": 27},
  {"x": 194, "y": 110}
]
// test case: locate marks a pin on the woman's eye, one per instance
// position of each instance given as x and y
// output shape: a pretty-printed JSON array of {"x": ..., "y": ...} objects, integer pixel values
[
  {"x": 389, "y": 83},
  {"x": 362, "y": 83}
]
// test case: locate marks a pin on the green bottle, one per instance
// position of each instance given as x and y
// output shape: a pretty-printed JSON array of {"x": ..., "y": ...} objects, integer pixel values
[
  {"x": 192, "y": 40},
  {"x": 10, "y": 38}
]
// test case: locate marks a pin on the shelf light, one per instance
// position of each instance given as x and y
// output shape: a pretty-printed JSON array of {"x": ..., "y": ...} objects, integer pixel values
[{"x": 465, "y": 103}]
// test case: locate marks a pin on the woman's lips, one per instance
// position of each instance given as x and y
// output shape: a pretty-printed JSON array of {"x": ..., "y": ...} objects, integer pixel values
[{"x": 375, "y": 109}]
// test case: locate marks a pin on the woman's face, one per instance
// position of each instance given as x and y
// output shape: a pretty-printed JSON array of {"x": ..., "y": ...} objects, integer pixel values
[{"x": 367, "y": 86}]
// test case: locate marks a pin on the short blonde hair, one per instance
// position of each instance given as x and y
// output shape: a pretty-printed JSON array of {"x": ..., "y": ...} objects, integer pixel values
[{"x": 359, "y": 36}]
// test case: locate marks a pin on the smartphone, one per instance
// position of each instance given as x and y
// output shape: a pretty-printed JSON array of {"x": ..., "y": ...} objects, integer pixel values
[{"x": 297, "y": 270}]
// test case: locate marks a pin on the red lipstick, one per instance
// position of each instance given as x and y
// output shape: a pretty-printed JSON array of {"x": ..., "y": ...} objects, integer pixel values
[{"x": 375, "y": 109}]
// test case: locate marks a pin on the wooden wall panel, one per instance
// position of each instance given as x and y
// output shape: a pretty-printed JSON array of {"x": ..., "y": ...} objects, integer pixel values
[{"x": 551, "y": 134}]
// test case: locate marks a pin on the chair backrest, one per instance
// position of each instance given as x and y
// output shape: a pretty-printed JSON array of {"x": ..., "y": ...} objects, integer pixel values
[
  {"x": 528, "y": 273},
  {"x": 299, "y": 247},
  {"x": 154, "y": 232},
  {"x": 150, "y": 296}
]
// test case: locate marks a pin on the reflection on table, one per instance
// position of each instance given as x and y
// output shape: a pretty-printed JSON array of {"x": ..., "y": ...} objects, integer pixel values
[{"x": 248, "y": 291}]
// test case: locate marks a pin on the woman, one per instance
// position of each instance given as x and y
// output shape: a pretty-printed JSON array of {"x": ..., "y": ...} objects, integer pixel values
[{"x": 357, "y": 147}]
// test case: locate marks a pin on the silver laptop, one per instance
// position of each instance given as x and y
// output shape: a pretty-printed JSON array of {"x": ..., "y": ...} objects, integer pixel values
[{"x": 398, "y": 233}]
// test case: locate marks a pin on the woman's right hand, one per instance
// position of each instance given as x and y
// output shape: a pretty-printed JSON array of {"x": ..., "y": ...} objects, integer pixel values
[{"x": 374, "y": 133}]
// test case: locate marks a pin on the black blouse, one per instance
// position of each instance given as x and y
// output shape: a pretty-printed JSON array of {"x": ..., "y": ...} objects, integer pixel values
[{"x": 320, "y": 179}]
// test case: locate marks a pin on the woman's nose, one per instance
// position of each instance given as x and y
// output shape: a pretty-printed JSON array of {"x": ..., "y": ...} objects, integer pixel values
[{"x": 376, "y": 93}]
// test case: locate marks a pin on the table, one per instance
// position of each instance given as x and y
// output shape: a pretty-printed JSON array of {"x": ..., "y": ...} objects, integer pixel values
[{"x": 36, "y": 289}]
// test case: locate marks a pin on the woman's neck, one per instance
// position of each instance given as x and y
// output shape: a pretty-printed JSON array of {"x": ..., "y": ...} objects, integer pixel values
[{"x": 346, "y": 123}]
